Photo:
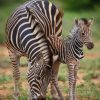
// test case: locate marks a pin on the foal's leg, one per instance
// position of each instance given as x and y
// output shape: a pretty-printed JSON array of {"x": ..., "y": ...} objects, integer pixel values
[
  {"x": 72, "y": 80},
  {"x": 54, "y": 84},
  {"x": 16, "y": 74}
]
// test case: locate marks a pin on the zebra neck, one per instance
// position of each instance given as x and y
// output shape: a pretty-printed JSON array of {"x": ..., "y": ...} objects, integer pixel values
[{"x": 76, "y": 46}]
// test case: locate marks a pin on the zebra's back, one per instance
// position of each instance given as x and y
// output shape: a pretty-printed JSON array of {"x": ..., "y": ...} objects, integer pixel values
[{"x": 46, "y": 15}]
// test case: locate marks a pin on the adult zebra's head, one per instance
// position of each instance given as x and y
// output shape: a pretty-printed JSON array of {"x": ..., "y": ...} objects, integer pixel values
[{"x": 83, "y": 30}]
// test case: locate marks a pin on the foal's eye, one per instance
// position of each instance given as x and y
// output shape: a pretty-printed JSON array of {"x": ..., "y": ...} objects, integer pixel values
[{"x": 83, "y": 34}]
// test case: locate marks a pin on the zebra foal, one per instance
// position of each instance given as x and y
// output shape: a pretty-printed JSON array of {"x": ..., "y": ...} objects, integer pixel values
[{"x": 70, "y": 51}]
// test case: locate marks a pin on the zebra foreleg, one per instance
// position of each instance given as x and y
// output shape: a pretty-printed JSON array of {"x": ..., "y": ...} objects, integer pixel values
[
  {"x": 16, "y": 74},
  {"x": 72, "y": 81},
  {"x": 54, "y": 85}
]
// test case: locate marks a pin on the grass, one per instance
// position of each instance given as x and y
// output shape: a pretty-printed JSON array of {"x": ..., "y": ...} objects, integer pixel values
[
  {"x": 89, "y": 89},
  {"x": 4, "y": 78},
  {"x": 90, "y": 64},
  {"x": 62, "y": 73},
  {"x": 84, "y": 90},
  {"x": 91, "y": 75}
]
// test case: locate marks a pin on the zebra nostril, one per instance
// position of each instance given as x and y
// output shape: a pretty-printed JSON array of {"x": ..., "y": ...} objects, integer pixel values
[{"x": 90, "y": 45}]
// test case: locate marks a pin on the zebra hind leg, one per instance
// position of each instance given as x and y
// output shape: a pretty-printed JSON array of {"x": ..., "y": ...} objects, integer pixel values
[
  {"x": 54, "y": 85},
  {"x": 16, "y": 74}
]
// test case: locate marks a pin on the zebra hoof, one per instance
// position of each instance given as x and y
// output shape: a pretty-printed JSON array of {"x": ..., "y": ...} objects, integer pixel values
[
  {"x": 16, "y": 96},
  {"x": 55, "y": 98},
  {"x": 41, "y": 98}
]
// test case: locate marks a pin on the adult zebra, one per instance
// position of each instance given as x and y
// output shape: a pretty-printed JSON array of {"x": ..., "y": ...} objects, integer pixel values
[
  {"x": 27, "y": 29},
  {"x": 70, "y": 50}
]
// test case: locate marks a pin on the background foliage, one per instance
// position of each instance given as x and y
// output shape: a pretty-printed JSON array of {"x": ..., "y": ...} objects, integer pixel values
[{"x": 70, "y": 4}]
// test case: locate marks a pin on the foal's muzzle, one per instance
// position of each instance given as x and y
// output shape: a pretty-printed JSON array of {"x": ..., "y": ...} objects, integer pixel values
[{"x": 90, "y": 45}]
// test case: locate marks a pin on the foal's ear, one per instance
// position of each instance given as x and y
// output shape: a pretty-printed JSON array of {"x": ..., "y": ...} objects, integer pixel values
[
  {"x": 90, "y": 21},
  {"x": 76, "y": 21}
]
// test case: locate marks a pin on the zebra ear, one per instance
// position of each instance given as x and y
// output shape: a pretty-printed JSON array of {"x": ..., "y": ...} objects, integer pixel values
[
  {"x": 76, "y": 21},
  {"x": 90, "y": 21}
]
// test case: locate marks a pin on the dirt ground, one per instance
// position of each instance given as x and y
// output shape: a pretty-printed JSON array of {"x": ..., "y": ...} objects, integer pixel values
[{"x": 7, "y": 87}]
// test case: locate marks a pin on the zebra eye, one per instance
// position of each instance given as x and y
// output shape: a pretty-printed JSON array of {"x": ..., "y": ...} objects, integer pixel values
[{"x": 83, "y": 34}]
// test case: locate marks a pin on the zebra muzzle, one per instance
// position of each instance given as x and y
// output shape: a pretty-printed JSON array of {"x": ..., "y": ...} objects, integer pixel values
[{"x": 90, "y": 45}]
